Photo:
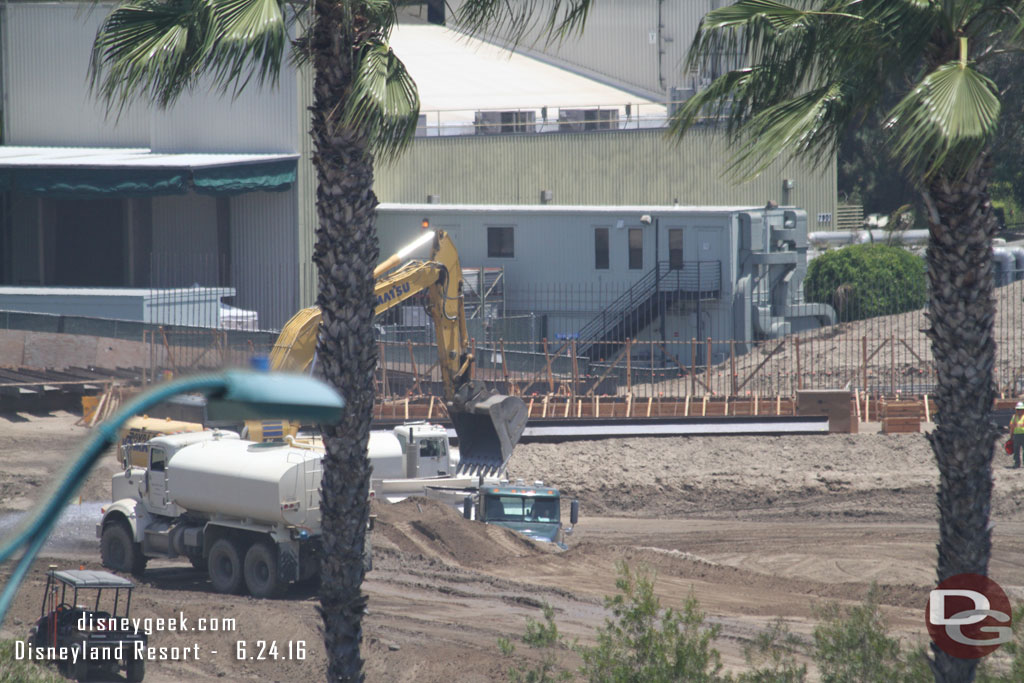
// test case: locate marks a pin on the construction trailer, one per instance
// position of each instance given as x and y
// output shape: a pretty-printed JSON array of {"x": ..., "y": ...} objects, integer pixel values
[{"x": 602, "y": 274}]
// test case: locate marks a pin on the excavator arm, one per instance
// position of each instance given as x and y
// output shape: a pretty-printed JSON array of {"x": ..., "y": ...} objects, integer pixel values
[{"x": 488, "y": 424}]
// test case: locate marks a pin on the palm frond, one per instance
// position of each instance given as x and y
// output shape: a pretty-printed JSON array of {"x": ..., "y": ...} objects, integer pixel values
[
  {"x": 251, "y": 39},
  {"x": 150, "y": 49},
  {"x": 384, "y": 105},
  {"x": 516, "y": 20},
  {"x": 945, "y": 121},
  {"x": 808, "y": 126}
]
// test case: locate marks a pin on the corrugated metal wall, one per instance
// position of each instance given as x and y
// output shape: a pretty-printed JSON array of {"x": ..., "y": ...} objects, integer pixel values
[
  {"x": 48, "y": 101},
  {"x": 46, "y": 61},
  {"x": 264, "y": 261},
  {"x": 184, "y": 249},
  {"x": 617, "y": 168},
  {"x": 623, "y": 38},
  {"x": 306, "y": 184}
]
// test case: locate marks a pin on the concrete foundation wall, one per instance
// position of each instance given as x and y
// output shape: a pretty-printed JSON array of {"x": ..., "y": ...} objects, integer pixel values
[{"x": 23, "y": 348}]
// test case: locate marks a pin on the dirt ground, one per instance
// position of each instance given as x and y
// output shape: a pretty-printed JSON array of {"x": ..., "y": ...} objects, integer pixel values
[{"x": 755, "y": 528}]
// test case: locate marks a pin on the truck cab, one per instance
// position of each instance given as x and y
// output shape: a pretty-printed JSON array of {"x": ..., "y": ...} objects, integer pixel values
[
  {"x": 534, "y": 511},
  {"x": 412, "y": 450}
]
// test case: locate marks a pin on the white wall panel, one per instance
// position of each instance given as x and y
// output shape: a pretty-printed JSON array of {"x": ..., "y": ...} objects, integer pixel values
[
  {"x": 263, "y": 254},
  {"x": 46, "y": 81}
]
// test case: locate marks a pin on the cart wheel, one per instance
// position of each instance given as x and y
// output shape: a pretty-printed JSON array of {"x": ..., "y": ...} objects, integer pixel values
[
  {"x": 119, "y": 552},
  {"x": 135, "y": 671},
  {"x": 224, "y": 565},
  {"x": 261, "y": 571},
  {"x": 79, "y": 670}
]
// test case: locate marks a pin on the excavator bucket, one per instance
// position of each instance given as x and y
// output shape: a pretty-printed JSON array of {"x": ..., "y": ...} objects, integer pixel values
[{"x": 488, "y": 425}]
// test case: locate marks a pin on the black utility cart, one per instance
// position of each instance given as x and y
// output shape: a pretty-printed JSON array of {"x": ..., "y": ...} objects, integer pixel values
[{"x": 83, "y": 633}]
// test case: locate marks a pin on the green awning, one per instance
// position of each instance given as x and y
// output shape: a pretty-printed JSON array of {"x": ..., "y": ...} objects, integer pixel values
[
  {"x": 274, "y": 176},
  {"x": 85, "y": 183},
  {"x": 81, "y": 172}
]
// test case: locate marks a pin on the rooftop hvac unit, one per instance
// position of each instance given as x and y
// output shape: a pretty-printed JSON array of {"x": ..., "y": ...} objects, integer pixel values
[
  {"x": 576, "y": 120},
  {"x": 497, "y": 122}
]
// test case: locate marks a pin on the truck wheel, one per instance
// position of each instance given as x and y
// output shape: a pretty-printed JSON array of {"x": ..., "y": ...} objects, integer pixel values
[
  {"x": 225, "y": 566},
  {"x": 261, "y": 571},
  {"x": 119, "y": 552},
  {"x": 135, "y": 671}
]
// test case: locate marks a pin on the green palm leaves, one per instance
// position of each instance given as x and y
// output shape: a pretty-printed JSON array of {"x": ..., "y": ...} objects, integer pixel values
[
  {"x": 154, "y": 51},
  {"x": 820, "y": 67}
]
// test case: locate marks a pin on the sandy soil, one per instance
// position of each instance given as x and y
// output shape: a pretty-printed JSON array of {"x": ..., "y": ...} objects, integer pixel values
[{"x": 756, "y": 528}]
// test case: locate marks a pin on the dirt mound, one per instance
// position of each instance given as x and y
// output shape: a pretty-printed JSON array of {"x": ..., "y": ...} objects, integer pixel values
[{"x": 438, "y": 532}]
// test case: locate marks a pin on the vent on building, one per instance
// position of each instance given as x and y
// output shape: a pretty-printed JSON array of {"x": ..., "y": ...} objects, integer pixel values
[
  {"x": 576, "y": 120},
  {"x": 497, "y": 122}
]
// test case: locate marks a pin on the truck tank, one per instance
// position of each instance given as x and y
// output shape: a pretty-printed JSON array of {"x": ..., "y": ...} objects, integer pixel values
[{"x": 267, "y": 483}]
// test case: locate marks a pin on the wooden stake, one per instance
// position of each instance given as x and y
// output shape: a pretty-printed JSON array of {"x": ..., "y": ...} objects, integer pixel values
[
  {"x": 693, "y": 365},
  {"x": 430, "y": 409},
  {"x": 856, "y": 403},
  {"x": 867, "y": 406},
  {"x": 629, "y": 366},
  {"x": 568, "y": 404},
  {"x": 778, "y": 404},
  {"x": 686, "y": 408},
  {"x": 732, "y": 363},
  {"x": 629, "y": 405},
  {"x": 579, "y": 407},
  {"x": 799, "y": 376},
  {"x": 649, "y": 400},
  {"x": 547, "y": 360},
  {"x": 755, "y": 404},
  {"x": 544, "y": 406},
  {"x": 927, "y": 412},
  {"x": 704, "y": 408},
  {"x": 407, "y": 408},
  {"x": 597, "y": 406},
  {"x": 529, "y": 409},
  {"x": 708, "y": 364}
]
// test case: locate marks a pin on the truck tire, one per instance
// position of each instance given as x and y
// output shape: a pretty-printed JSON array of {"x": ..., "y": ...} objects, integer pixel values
[
  {"x": 135, "y": 670},
  {"x": 225, "y": 566},
  {"x": 261, "y": 571},
  {"x": 119, "y": 552}
]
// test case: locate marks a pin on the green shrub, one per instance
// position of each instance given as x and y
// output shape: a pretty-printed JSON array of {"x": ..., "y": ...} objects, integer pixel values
[
  {"x": 24, "y": 671},
  {"x": 867, "y": 280},
  {"x": 544, "y": 637},
  {"x": 642, "y": 643},
  {"x": 853, "y": 644}
]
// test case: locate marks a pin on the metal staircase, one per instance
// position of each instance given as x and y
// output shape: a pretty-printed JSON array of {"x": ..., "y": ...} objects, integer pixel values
[{"x": 646, "y": 301}]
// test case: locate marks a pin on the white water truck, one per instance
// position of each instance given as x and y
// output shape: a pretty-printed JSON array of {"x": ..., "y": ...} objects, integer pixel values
[{"x": 249, "y": 513}]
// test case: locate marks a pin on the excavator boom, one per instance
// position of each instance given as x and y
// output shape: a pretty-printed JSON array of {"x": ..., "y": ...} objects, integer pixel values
[{"x": 488, "y": 424}]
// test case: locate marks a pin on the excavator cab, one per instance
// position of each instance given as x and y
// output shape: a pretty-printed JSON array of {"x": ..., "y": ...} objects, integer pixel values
[{"x": 488, "y": 425}]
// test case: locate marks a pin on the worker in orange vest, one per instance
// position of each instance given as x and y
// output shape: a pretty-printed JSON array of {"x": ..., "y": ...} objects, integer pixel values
[{"x": 1017, "y": 432}]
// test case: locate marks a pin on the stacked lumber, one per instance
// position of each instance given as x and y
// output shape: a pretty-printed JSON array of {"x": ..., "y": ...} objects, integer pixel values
[{"x": 902, "y": 417}]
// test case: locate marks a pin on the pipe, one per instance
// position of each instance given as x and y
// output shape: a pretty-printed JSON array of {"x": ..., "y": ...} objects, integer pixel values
[
  {"x": 842, "y": 237},
  {"x": 1006, "y": 265},
  {"x": 1018, "y": 257}
]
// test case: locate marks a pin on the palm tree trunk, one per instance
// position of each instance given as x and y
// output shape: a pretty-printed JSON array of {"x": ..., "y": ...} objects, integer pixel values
[
  {"x": 345, "y": 254},
  {"x": 961, "y": 312}
]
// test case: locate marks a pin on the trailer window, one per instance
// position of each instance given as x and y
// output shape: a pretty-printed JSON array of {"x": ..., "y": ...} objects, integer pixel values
[
  {"x": 501, "y": 242},
  {"x": 601, "y": 248},
  {"x": 675, "y": 249},
  {"x": 636, "y": 249}
]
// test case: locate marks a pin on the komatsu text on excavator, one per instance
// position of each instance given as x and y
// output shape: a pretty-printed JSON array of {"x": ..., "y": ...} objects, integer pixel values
[{"x": 488, "y": 424}]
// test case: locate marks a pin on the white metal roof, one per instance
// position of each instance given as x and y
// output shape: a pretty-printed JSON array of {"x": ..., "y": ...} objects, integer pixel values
[
  {"x": 561, "y": 209},
  {"x": 122, "y": 157},
  {"x": 455, "y": 72}
]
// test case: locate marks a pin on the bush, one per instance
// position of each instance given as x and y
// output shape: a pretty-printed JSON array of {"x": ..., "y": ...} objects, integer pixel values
[
  {"x": 23, "y": 671},
  {"x": 867, "y": 280},
  {"x": 643, "y": 643}
]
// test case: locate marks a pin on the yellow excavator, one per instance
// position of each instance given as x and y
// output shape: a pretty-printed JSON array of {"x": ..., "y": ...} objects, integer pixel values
[{"x": 488, "y": 424}]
